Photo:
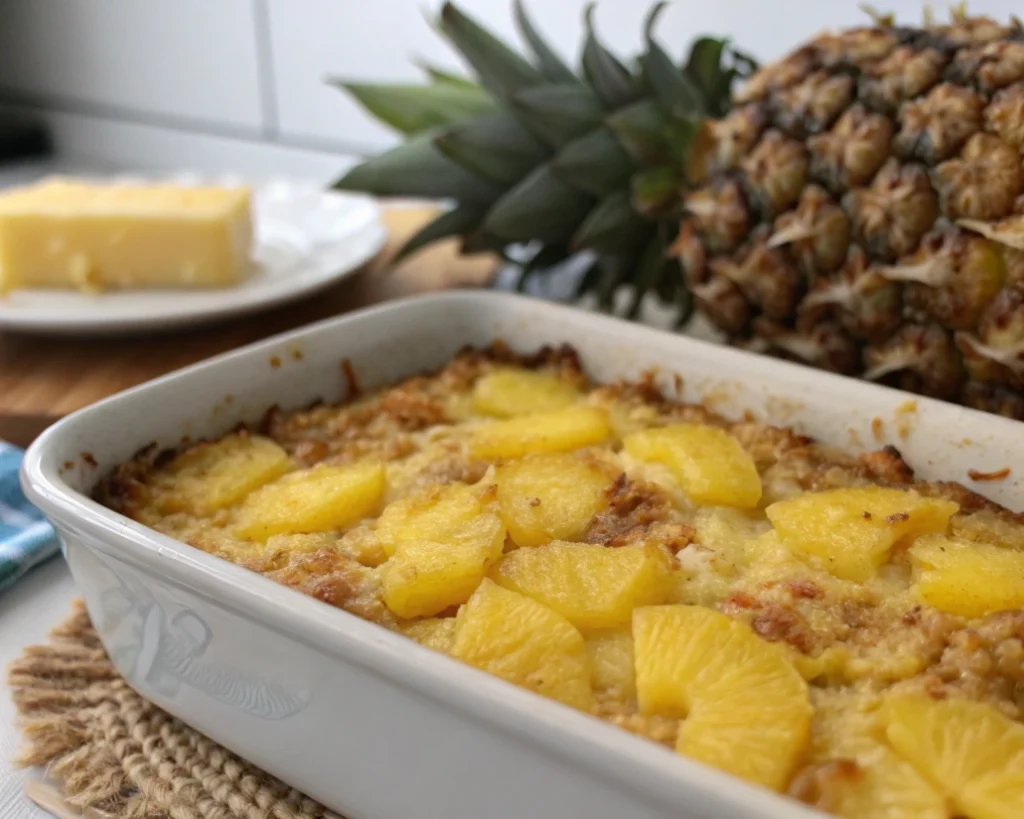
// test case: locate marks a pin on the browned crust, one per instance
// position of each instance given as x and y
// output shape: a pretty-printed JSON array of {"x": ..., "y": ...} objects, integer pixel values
[
  {"x": 124, "y": 487},
  {"x": 995, "y": 475}
]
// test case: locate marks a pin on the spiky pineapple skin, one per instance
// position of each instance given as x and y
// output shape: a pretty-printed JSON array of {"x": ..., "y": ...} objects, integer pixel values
[{"x": 860, "y": 210}]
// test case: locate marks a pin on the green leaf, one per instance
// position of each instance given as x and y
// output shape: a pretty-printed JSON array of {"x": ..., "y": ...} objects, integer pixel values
[
  {"x": 549, "y": 256},
  {"x": 706, "y": 67},
  {"x": 640, "y": 128},
  {"x": 596, "y": 163},
  {"x": 544, "y": 259},
  {"x": 440, "y": 76},
  {"x": 417, "y": 169},
  {"x": 610, "y": 79},
  {"x": 680, "y": 133},
  {"x": 453, "y": 222},
  {"x": 675, "y": 92},
  {"x": 496, "y": 147},
  {"x": 412, "y": 109},
  {"x": 743, "y": 64},
  {"x": 655, "y": 190},
  {"x": 613, "y": 272},
  {"x": 589, "y": 280},
  {"x": 524, "y": 276},
  {"x": 611, "y": 227},
  {"x": 704, "y": 64},
  {"x": 541, "y": 207},
  {"x": 670, "y": 282},
  {"x": 480, "y": 241},
  {"x": 550, "y": 64},
  {"x": 501, "y": 70},
  {"x": 559, "y": 113},
  {"x": 646, "y": 274},
  {"x": 684, "y": 298}
]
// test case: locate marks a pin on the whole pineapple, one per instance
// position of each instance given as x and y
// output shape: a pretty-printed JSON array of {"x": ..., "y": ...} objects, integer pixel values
[
  {"x": 853, "y": 206},
  {"x": 859, "y": 210}
]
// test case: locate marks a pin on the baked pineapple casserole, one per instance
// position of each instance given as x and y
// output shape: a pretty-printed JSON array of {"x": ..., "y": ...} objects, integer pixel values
[{"x": 816, "y": 623}]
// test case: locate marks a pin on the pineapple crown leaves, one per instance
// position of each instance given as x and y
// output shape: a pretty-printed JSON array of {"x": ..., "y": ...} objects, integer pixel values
[{"x": 530, "y": 151}]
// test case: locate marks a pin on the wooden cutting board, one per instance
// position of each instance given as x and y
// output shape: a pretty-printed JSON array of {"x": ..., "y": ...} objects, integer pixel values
[{"x": 43, "y": 379}]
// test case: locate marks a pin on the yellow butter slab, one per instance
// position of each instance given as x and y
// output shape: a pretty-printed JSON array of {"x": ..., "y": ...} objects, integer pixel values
[{"x": 69, "y": 234}]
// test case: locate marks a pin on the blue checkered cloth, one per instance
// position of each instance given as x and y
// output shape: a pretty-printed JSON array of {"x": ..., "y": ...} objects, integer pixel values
[{"x": 26, "y": 539}]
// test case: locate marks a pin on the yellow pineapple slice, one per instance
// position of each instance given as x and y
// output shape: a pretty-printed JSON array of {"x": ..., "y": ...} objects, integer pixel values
[
  {"x": 524, "y": 642},
  {"x": 966, "y": 578},
  {"x": 591, "y": 585},
  {"x": 889, "y": 788},
  {"x": 433, "y": 514},
  {"x": 871, "y": 782},
  {"x": 747, "y": 708},
  {"x": 852, "y": 531},
  {"x": 514, "y": 391},
  {"x": 215, "y": 475},
  {"x": 969, "y": 751},
  {"x": 424, "y": 577},
  {"x": 708, "y": 462},
  {"x": 855, "y": 775},
  {"x": 612, "y": 669},
  {"x": 555, "y": 431},
  {"x": 322, "y": 499},
  {"x": 550, "y": 496},
  {"x": 437, "y": 633}
]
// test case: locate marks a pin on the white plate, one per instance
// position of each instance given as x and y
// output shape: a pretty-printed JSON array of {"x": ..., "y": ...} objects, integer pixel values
[{"x": 306, "y": 239}]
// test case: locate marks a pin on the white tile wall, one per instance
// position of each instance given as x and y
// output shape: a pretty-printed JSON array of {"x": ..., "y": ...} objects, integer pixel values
[
  {"x": 233, "y": 71},
  {"x": 192, "y": 60},
  {"x": 112, "y": 144},
  {"x": 363, "y": 40},
  {"x": 375, "y": 40}
]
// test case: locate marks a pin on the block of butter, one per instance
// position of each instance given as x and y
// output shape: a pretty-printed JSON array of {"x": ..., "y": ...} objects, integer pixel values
[{"x": 66, "y": 233}]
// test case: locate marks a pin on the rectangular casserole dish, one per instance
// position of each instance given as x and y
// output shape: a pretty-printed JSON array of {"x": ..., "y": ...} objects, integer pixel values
[{"x": 364, "y": 720}]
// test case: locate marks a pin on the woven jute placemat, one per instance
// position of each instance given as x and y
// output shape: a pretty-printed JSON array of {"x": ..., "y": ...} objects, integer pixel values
[{"x": 113, "y": 754}]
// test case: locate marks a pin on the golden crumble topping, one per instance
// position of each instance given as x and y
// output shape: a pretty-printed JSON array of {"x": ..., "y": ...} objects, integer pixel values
[{"x": 817, "y": 623}]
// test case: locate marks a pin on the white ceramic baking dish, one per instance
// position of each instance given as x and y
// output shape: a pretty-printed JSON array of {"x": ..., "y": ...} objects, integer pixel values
[{"x": 372, "y": 724}]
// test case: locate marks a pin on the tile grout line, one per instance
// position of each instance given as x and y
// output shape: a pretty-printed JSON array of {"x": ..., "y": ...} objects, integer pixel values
[
  {"x": 191, "y": 125},
  {"x": 266, "y": 70}
]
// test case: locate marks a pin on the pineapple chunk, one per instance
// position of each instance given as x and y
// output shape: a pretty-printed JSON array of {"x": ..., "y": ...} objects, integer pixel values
[
  {"x": 965, "y": 578},
  {"x": 874, "y": 782},
  {"x": 592, "y": 586},
  {"x": 435, "y": 514},
  {"x": 708, "y": 462},
  {"x": 852, "y": 531},
  {"x": 215, "y": 475},
  {"x": 550, "y": 496},
  {"x": 515, "y": 391},
  {"x": 612, "y": 670},
  {"x": 855, "y": 775},
  {"x": 969, "y": 751},
  {"x": 524, "y": 642},
  {"x": 424, "y": 577},
  {"x": 322, "y": 499},
  {"x": 747, "y": 708},
  {"x": 556, "y": 431},
  {"x": 437, "y": 633}
]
